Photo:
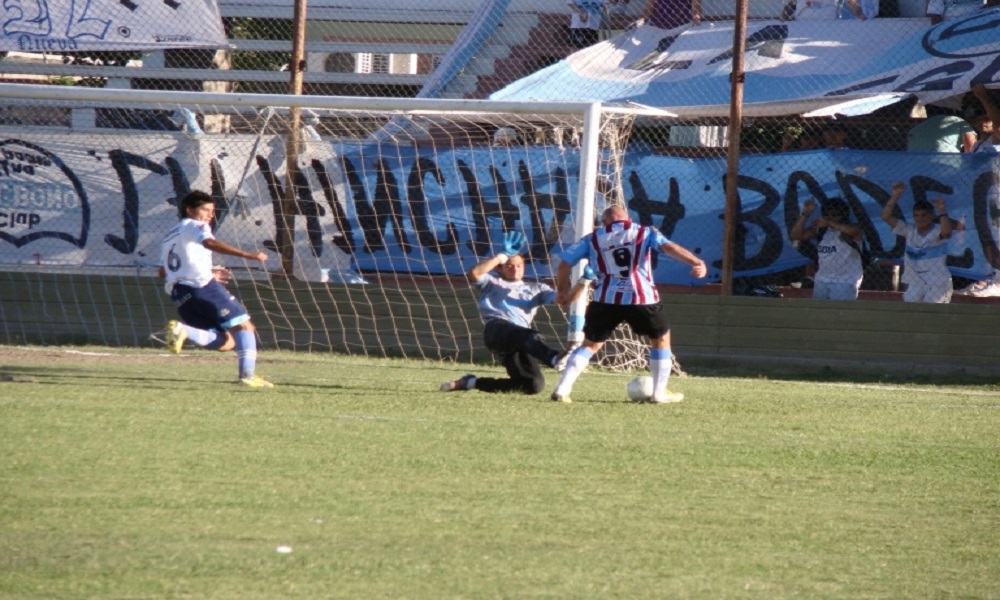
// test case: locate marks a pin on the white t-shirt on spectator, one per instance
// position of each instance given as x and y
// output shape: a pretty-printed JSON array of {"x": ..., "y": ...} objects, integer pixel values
[{"x": 949, "y": 9}]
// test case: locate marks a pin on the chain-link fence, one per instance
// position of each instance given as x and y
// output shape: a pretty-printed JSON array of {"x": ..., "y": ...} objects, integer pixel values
[{"x": 841, "y": 103}]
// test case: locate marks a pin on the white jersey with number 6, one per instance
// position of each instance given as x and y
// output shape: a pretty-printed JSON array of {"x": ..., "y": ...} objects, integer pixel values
[{"x": 185, "y": 259}]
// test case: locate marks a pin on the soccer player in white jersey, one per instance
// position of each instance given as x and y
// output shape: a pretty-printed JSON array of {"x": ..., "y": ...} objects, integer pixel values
[
  {"x": 925, "y": 271},
  {"x": 838, "y": 245},
  {"x": 210, "y": 316},
  {"x": 619, "y": 253},
  {"x": 508, "y": 305}
]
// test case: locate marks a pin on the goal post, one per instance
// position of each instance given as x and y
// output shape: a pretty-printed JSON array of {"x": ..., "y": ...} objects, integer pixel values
[{"x": 394, "y": 200}]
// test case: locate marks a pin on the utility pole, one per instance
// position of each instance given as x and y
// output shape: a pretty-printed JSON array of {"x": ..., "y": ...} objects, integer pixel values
[
  {"x": 737, "y": 78},
  {"x": 285, "y": 236}
]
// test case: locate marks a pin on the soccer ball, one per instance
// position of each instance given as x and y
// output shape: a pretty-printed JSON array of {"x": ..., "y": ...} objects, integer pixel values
[{"x": 640, "y": 389}]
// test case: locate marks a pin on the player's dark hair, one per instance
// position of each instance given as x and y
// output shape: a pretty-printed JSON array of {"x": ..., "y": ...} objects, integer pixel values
[
  {"x": 193, "y": 200},
  {"x": 836, "y": 207},
  {"x": 923, "y": 205}
]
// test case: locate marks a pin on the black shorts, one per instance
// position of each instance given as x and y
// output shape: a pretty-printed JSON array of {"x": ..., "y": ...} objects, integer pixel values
[{"x": 645, "y": 319}]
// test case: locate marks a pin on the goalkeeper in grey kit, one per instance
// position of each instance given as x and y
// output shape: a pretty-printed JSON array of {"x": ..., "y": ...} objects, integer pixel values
[{"x": 508, "y": 305}]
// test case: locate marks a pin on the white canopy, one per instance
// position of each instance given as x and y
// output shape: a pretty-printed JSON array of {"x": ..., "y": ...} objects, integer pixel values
[{"x": 818, "y": 67}]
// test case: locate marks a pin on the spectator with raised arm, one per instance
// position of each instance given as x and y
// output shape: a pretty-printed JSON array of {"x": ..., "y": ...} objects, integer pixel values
[
  {"x": 925, "y": 271},
  {"x": 989, "y": 142},
  {"x": 838, "y": 246}
]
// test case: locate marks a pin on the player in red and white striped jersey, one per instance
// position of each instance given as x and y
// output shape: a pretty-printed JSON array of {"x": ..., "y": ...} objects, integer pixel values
[{"x": 619, "y": 252}]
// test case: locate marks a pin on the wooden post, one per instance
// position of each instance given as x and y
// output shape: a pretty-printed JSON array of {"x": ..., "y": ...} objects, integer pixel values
[
  {"x": 285, "y": 236},
  {"x": 737, "y": 77}
]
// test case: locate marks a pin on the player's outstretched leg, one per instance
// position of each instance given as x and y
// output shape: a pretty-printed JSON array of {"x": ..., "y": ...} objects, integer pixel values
[
  {"x": 578, "y": 361},
  {"x": 178, "y": 332},
  {"x": 464, "y": 383}
]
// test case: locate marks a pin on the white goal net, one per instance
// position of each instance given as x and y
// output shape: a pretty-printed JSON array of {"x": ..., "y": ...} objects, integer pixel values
[{"x": 390, "y": 201}]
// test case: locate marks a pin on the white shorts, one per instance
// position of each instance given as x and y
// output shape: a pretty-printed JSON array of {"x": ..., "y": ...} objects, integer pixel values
[
  {"x": 919, "y": 290},
  {"x": 835, "y": 291}
]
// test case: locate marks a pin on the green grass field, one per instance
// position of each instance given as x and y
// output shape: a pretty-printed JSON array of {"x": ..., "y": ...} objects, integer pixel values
[{"x": 137, "y": 474}]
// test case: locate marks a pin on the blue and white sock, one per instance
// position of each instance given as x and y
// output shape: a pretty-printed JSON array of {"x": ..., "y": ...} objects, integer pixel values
[
  {"x": 660, "y": 362},
  {"x": 246, "y": 352}
]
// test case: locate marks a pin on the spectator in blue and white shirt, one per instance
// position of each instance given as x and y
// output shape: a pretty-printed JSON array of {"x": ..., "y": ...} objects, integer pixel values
[
  {"x": 585, "y": 23},
  {"x": 925, "y": 269}
]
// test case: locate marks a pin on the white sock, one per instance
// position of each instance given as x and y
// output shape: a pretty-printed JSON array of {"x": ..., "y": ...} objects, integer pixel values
[
  {"x": 578, "y": 361},
  {"x": 660, "y": 362},
  {"x": 200, "y": 336}
]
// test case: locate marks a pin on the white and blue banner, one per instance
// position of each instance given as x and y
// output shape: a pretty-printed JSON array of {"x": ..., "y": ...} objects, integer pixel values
[
  {"x": 792, "y": 67},
  {"x": 106, "y": 202},
  {"x": 55, "y": 26}
]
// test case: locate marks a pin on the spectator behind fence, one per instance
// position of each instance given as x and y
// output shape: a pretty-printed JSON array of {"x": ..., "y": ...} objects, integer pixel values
[
  {"x": 835, "y": 136},
  {"x": 617, "y": 7},
  {"x": 506, "y": 136},
  {"x": 941, "y": 133},
  {"x": 942, "y": 10},
  {"x": 585, "y": 23},
  {"x": 861, "y": 10},
  {"x": 989, "y": 142},
  {"x": 983, "y": 125},
  {"x": 809, "y": 10},
  {"x": 807, "y": 140},
  {"x": 838, "y": 247},
  {"x": 925, "y": 271},
  {"x": 992, "y": 111},
  {"x": 667, "y": 14}
]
